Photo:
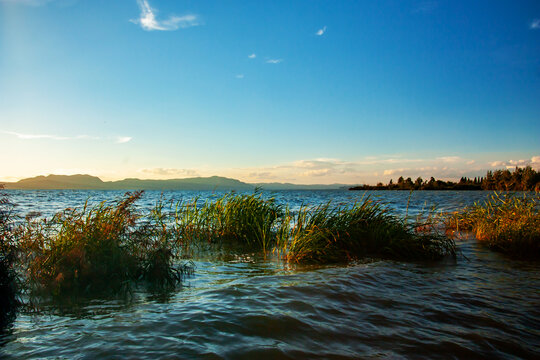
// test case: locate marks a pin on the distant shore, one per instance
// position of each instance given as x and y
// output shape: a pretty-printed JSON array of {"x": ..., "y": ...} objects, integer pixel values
[{"x": 520, "y": 179}]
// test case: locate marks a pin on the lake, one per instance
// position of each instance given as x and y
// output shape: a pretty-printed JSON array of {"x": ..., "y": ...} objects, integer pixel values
[{"x": 484, "y": 305}]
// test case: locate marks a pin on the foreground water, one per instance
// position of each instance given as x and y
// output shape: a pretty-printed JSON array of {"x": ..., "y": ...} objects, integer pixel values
[{"x": 482, "y": 306}]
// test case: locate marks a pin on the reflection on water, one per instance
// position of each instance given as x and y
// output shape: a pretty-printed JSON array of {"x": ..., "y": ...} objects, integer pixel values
[{"x": 247, "y": 307}]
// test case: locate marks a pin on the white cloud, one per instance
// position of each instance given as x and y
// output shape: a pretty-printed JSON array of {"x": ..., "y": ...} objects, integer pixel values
[
  {"x": 449, "y": 159},
  {"x": 320, "y": 172},
  {"x": 240, "y": 76},
  {"x": 497, "y": 163},
  {"x": 252, "y": 56},
  {"x": 320, "y": 32},
  {"x": 389, "y": 172},
  {"x": 22, "y": 136},
  {"x": 168, "y": 172},
  {"x": 535, "y": 24},
  {"x": 518, "y": 162},
  {"x": 48, "y": 136},
  {"x": 534, "y": 162},
  {"x": 265, "y": 175},
  {"x": 274, "y": 61},
  {"x": 148, "y": 21},
  {"x": 123, "y": 139},
  {"x": 370, "y": 169}
]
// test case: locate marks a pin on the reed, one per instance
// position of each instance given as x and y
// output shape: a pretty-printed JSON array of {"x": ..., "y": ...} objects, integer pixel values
[
  {"x": 329, "y": 233},
  {"x": 97, "y": 248},
  {"x": 112, "y": 245},
  {"x": 247, "y": 220},
  {"x": 9, "y": 282},
  {"x": 504, "y": 222}
]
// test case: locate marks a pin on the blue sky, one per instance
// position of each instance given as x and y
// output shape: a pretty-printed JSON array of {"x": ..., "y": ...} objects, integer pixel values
[{"x": 296, "y": 91}]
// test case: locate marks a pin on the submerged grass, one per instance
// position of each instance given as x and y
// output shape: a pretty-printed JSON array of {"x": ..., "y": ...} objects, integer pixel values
[{"x": 505, "y": 222}]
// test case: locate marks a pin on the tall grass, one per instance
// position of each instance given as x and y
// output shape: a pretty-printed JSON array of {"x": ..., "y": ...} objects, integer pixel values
[
  {"x": 322, "y": 234},
  {"x": 329, "y": 233},
  {"x": 8, "y": 279},
  {"x": 113, "y": 244},
  {"x": 245, "y": 219},
  {"x": 96, "y": 248},
  {"x": 504, "y": 222}
]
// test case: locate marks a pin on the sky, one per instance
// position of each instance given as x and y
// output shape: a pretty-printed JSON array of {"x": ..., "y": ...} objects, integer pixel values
[{"x": 294, "y": 91}]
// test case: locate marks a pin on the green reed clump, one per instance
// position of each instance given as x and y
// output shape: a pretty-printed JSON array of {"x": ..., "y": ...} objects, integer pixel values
[
  {"x": 246, "y": 219},
  {"x": 328, "y": 233},
  {"x": 97, "y": 248},
  {"x": 111, "y": 245},
  {"x": 8, "y": 248},
  {"x": 504, "y": 222}
]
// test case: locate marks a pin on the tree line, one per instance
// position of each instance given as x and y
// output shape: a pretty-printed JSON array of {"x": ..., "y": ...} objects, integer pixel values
[{"x": 520, "y": 179}]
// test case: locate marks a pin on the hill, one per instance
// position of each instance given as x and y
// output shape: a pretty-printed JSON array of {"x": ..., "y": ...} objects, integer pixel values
[
  {"x": 212, "y": 183},
  {"x": 88, "y": 182}
]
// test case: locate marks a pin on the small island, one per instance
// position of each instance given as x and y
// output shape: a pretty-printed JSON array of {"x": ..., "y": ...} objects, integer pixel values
[{"x": 520, "y": 179}]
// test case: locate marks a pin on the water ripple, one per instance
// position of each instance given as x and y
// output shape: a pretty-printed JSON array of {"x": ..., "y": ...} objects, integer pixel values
[{"x": 484, "y": 307}]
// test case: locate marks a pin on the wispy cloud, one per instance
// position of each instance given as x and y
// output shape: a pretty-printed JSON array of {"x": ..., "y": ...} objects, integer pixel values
[
  {"x": 390, "y": 172},
  {"x": 321, "y": 32},
  {"x": 22, "y": 136},
  {"x": 449, "y": 159},
  {"x": 169, "y": 172},
  {"x": 252, "y": 56},
  {"x": 371, "y": 169},
  {"x": 274, "y": 61},
  {"x": 123, "y": 139},
  {"x": 535, "y": 24},
  {"x": 239, "y": 76},
  {"x": 48, "y": 136},
  {"x": 317, "y": 173},
  {"x": 149, "y": 22}
]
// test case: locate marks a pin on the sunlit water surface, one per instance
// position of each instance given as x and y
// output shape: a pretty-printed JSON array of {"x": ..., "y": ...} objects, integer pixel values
[{"x": 482, "y": 306}]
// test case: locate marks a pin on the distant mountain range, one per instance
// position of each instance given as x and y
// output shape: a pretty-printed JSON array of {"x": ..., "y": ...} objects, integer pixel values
[{"x": 213, "y": 183}]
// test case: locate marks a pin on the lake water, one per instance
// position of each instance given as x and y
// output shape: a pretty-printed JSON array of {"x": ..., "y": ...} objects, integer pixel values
[{"x": 483, "y": 305}]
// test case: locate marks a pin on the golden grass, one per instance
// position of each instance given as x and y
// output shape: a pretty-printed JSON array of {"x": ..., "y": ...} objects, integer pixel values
[{"x": 505, "y": 222}]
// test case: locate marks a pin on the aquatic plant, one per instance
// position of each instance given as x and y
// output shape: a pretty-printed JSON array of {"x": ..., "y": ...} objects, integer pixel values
[
  {"x": 504, "y": 222},
  {"x": 8, "y": 279},
  {"x": 112, "y": 244},
  {"x": 329, "y": 233},
  {"x": 325, "y": 233},
  {"x": 97, "y": 248},
  {"x": 156, "y": 249},
  {"x": 248, "y": 220}
]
